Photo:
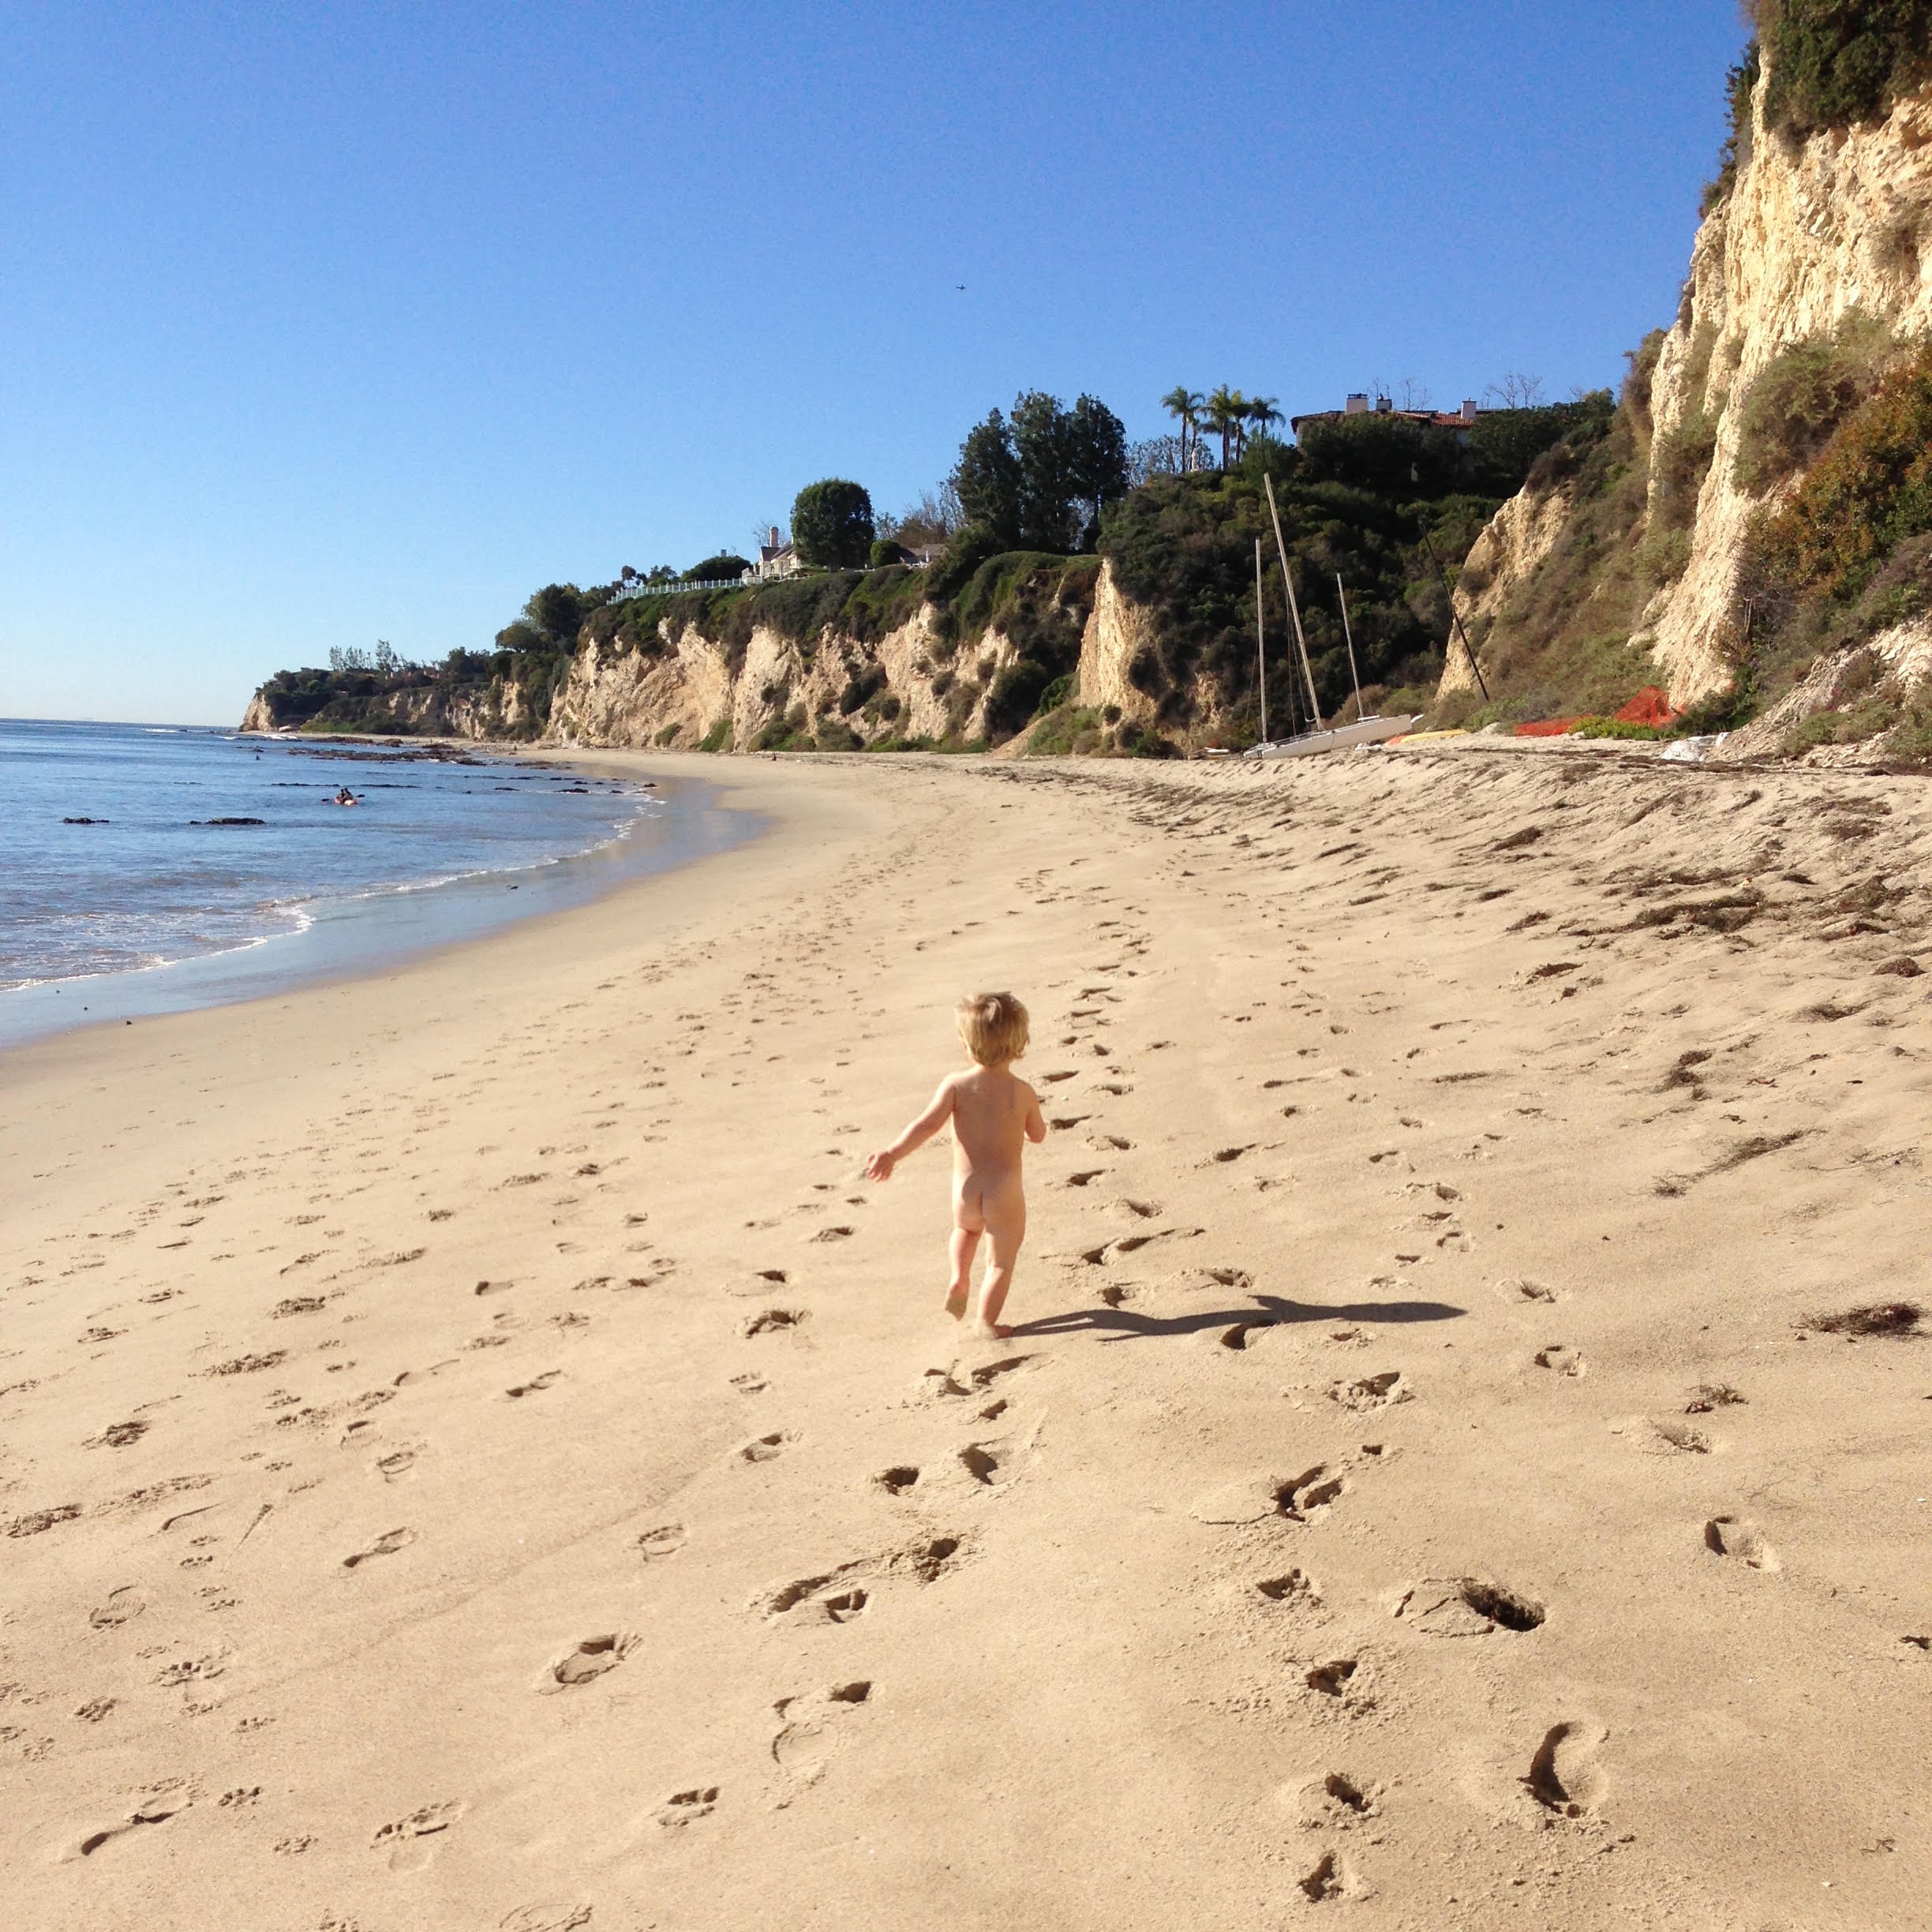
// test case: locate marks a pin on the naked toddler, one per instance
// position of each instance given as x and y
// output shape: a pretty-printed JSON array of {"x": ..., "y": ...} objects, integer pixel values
[{"x": 993, "y": 1114}]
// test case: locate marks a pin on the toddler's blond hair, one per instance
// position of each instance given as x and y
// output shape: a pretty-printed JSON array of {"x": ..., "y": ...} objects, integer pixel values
[{"x": 993, "y": 1026}]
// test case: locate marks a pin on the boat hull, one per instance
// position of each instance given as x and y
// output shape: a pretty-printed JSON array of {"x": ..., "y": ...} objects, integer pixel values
[{"x": 1363, "y": 731}]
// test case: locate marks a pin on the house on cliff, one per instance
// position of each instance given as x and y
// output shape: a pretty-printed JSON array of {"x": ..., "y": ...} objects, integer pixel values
[
  {"x": 1358, "y": 405},
  {"x": 776, "y": 560}
]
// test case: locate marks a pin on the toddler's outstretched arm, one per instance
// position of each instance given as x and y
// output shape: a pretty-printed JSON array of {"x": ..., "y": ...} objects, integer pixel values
[
  {"x": 1036, "y": 1120},
  {"x": 879, "y": 1166}
]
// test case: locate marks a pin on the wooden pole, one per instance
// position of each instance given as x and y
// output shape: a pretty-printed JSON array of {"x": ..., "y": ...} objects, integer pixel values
[
  {"x": 1260, "y": 640},
  {"x": 1354, "y": 676},
  {"x": 1469, "y": 650},
  {"x": 1294, "y": 610}
]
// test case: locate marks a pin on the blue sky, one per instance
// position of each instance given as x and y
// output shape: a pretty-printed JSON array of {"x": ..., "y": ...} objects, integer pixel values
[{"x": 325, "y": 324}]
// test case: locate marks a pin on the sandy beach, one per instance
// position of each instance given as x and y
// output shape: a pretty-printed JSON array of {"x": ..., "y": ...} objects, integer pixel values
[{"x": 474, "y": 1453}]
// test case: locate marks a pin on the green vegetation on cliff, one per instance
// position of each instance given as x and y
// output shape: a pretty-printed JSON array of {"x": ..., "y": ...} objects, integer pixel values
[
  {"x": 1358, "y": 497},
  {"x": 1559, "y": 645},
  {"x": 1835, "y": 62}
]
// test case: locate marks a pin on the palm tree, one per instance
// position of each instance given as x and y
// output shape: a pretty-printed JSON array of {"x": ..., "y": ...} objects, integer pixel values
[
  {"x": 1264, "y": 412},
  {"x": 1184, "y": 405},
  {"x": 1224, "y": 406}
]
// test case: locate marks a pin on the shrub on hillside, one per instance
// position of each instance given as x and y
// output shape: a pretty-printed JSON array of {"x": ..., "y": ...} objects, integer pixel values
[
  {"x": 1869, "y": 492},
  {"x": 1802, "y": 395},
  {"x": 1832, "y": 63}
]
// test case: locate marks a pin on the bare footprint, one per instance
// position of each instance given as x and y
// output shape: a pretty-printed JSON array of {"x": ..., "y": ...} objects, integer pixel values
[
  {"x": 1563, "y": 1776},
  {"x": 774, "y": 1321},
  {"x": 535, "y": 1386},
  {"x": 1735, "y": 1536},
  {"x": 1559, "y": 1360},
  {"x": 400, "y": 1838},
  {"x": 147, "y": 1814},
  {"x": 386, "y": 1544},
  {"x": 665, "y": 1541},
  {"x": 805, "y": 1741},
  {"x": 589, "y": 1659},
  {"x": 1376, "y": 1391},
  {"x": 683, "y": 1807}
]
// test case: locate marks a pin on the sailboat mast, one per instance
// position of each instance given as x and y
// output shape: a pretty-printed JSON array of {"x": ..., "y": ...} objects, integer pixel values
[
  {"x": 1354, "y": 676},
  {"x": 1294, "y": 610},
  {"x": 1260, "y": 640}
]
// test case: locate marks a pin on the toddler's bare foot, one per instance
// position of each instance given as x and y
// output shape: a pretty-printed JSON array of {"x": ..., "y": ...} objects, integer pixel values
[
  {"x": 992, "y": 1331},
  {"x": 956, "y": 1302}
]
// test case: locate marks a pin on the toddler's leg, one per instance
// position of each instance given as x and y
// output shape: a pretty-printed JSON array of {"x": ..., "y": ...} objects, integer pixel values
[
  {"x": 1005, "y": 1230},
  {"x": 964, "y": 1241}
]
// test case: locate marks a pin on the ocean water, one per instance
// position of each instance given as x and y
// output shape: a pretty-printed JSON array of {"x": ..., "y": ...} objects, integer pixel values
[{"x": 156, "y": 907}]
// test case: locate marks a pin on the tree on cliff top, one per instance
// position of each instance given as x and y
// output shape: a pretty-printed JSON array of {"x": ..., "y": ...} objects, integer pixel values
[
  {"x": 832, "y": 524},
  {"x": 1832, "y": 63},
  {"x": 1038, "y": 481}
]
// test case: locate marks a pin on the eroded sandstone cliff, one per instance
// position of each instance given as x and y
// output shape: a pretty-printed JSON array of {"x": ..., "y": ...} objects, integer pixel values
[{"x": 1813, "y": 231}]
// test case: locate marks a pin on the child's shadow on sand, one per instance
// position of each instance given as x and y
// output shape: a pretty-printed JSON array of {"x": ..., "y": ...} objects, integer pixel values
[{"x": 1263, "y": 1311}]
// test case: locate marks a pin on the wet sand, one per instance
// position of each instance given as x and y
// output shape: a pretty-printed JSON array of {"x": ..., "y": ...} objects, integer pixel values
[{"x": 474, "y": 1452}]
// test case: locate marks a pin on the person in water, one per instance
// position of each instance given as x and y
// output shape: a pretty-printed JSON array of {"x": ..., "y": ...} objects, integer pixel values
[{"x": 993, "y": 1114}]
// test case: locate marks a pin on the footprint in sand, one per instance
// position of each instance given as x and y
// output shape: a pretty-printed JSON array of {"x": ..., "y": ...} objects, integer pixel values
[
  {"x": 402, "y": 1839},
  {"x": 546, "y": 1918},
  {"x": 765, "y": 1448},
  {"x": 587, "y": 1660},
  {"x": 774, "y": 1321},
  {"x": 1671, "y": 1438},
  {"x": 898, "y": 1479},
  {"x": 683, "y": 1807},
  {"x": 535, "y": 1386},
  {"x": 1243, "y": 1335},
  {"x": 1299, "y": 1497},
  {"x": 122, "y": 1606},
  {"x": 665, "y": 1541},
  {"x": 1376, "y": 1391},
  {"x": 147, "y": 1814},
  {"x": 1559, "y": 1360},
  {"x": 116, "y": 1436},
  {"x": 385, "y": 1545},
  {"x": 1329, "y": 1879},
  {"x": 810, "y": 1733},
  {"x": 1333, "y": 1678},
  {"x": 1339, "y": 1800},
  {"x": 1293, "y": 1586},
  {"x": 1468, "y": 1607},
  {"x": 1524, "y": 1289},
  {"x": 1736, "y": 1536},
  {"x": 1710, "y": 1396},
  {"x": 1563, "y": 1776}
]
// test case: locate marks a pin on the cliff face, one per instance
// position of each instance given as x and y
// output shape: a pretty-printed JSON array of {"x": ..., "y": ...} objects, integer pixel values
[
  {"x": 499, "y": 708},
  {"x": 1811, "y": 231},
  {"x": 837, "y": 691}
]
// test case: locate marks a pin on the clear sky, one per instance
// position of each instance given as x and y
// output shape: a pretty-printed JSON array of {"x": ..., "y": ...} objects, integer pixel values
[{"x": 321, "y": 324}]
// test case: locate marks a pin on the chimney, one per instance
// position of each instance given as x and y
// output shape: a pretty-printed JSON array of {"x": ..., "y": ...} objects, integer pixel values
[
  {"x": 774, "y": 537},
  {"x": 1469, "y": 409},
  {"x": 1384, "y": 405},
  {"x": 1356, "y": 405}
]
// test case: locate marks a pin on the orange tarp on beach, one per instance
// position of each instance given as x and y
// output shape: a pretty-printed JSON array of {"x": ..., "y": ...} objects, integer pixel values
[{"x": 1649, "y": 707}]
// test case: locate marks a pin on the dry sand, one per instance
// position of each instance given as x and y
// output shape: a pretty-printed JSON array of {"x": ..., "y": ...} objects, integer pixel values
[{"x": 474, "y": 1453}]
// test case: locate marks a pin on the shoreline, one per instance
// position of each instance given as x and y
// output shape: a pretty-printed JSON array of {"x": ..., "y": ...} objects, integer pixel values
[
  {"x": 371, "y": 930},
  {"x": 508, "y": 1339}
]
